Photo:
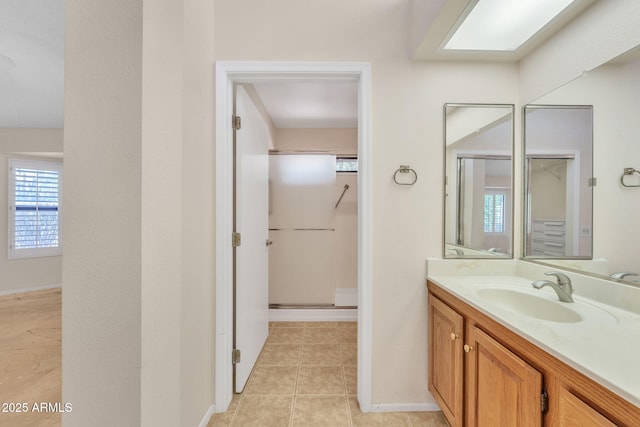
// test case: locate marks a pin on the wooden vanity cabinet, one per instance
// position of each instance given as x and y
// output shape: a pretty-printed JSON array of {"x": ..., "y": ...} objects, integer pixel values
[
  {"x": 481, "y": 373},
  {"x": 445, "y": 359},
  {"x": 501, "y": 388},
  {"x": 574, "y": 412}
]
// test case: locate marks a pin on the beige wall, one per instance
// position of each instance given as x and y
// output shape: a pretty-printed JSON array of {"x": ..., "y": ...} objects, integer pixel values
[
  {"x": 407, "y": 129},
  {"x": 20, "y": 274},
  {"x": 337, "y": 141},
  {"x": 101, "y": 304},
  {"x": 25, "y": 140},
  {"x": 198, "y": 198},
  {"x": 138, "y": 275},
  {"x": 605, "y": 30}
]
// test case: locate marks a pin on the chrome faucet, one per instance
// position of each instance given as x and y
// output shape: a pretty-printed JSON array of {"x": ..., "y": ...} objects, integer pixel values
[
  {"x": 563, "y": 287},
  {"x": 622, "y": 275}
]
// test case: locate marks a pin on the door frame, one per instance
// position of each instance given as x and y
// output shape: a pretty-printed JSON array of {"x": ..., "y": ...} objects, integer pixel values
[{"x": 228, "y": 73}]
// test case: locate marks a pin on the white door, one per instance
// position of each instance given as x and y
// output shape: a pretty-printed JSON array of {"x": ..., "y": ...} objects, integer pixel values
[{"x": 252, "y": 222}]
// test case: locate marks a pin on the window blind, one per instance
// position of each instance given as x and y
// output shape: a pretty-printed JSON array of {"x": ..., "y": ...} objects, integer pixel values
[{"x": 34, "y": 208}]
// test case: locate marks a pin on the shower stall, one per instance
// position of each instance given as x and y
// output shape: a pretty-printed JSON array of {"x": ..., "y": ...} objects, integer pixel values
[{"x": 312, "y": 232}]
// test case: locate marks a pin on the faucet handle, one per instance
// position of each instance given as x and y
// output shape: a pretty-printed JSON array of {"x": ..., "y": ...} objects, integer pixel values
[{"x": 562, "y": 278}]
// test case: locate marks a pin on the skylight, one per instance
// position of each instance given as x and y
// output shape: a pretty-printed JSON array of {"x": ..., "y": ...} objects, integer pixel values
[{"x": 504, "y": 25}]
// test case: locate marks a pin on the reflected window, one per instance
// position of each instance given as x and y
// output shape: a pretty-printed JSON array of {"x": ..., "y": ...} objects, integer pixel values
[{"x": 494, "y": 207}]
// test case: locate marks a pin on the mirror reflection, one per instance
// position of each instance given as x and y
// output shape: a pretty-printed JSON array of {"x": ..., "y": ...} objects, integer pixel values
[
  {"x": 613, "y": 89},
  {"x": 558, "y": 172},
  {"x": 478, "y": 180}
]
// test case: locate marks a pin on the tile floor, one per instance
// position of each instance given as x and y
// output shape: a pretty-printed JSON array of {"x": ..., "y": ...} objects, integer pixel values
[{"x": 306, "y": 376}]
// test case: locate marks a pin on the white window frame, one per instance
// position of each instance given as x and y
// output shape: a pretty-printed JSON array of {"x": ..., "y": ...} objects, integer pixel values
[
  {"x": 503, "y": 222},
  {"x": 346, "y": 159},
  {"x": 13, "y": 252}
]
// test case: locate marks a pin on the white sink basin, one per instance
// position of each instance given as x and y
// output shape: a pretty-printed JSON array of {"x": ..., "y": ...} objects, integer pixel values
[{"x": 531, "y": 305}]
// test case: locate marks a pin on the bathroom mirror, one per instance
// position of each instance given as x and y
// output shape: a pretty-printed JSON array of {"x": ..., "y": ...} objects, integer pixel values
[
  {"x": 558, "y": 171},
  {"x": 613, "y": 89},
  {"x": 478, "y": 196}
]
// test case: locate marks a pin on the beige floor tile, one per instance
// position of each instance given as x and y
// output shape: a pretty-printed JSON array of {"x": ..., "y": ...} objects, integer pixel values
[
  {"x": 348, "y": 325},
  {"x": 321, "y": 380},
  {"x": 321, "y": 336},
  {"x": 285, "y": 335},
  {"x": 224, "y": 419},
  {"x": 375, "y": 419},
  {"x": 351, "y": 378},
  {"x": 264, "y": 411},
  {"x": 427, "y": 419},
  {"x": 320, "y": 324},
  {"x": 349, "y": 353},
  {"x": 321, "y": 354},
  {"x": 30, "y": 357},
  {"x": 280, "y": 354},
  {"x": 287, "y": 324},
  {"x": 348, "y": 335},
  {"x": 320, "y": 412},
  {"x": 272, "y": 380}
]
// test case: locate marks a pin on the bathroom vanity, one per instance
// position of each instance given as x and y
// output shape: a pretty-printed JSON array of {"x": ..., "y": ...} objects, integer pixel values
[{"x": 543, "y": 362}]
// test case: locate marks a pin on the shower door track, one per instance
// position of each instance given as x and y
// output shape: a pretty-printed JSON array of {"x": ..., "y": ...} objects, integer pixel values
[{"x": 312, "y": 306}]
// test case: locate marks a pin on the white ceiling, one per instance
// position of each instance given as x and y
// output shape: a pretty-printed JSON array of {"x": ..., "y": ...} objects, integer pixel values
[
  {"x": 32, "y": 68},
  {"x": 31, "y": 63},
  {"x": 310, "y": 104}
]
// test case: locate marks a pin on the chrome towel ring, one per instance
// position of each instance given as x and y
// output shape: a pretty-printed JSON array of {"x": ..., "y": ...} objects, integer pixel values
[
  {"x": 628, "y": 171},
  {"x": 402, "y": 170}
]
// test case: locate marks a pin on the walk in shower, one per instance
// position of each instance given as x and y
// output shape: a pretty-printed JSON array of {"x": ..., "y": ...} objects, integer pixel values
[{"x": 312, "y": 231}]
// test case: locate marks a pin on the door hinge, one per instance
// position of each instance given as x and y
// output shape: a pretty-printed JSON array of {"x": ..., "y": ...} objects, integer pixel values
[
  {"x": 544, "y": 401},
  {"x": 236, "y": 239},
  {"x": 593, "y": 182},
  {"x": 235, "y": 356},
  {"x": 237, "y": 122}
]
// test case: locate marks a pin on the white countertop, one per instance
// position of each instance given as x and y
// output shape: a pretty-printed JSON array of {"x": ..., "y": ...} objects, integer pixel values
[{"x": 605, "y": 346}]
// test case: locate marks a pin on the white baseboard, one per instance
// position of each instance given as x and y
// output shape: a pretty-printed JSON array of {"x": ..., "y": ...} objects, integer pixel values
[
  {"x": 313, "y": 315},
  {"x": 23, "y": 290},
  {"x": 404, "y": 407},
  {"x": 207, "y": 416}
]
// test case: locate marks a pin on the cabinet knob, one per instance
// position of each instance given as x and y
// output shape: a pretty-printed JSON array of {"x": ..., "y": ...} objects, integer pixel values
[
  {"x": 453, "y": 336},
  {"x": 467, "y": 348}
]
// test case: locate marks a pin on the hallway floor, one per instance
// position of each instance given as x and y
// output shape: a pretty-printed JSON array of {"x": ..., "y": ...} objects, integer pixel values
[
  {"x": 30, "y": 357},
  {"x": 306, "y": 376}
]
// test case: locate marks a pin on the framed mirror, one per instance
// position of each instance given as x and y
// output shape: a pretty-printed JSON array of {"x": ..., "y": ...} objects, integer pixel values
[
  {"x": 478, "y": 193},
  {"x": 558, "y": 172},
  {"x": 613, "y": 89}
]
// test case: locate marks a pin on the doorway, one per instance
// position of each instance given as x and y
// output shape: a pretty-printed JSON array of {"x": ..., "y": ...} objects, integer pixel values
[{"x": 228, "y": 74}]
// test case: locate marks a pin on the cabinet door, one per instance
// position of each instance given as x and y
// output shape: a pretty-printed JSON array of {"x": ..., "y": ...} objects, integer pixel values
[
  {"x": 502, "y": 389},
  {"x": 573, "y": 412},
  {"x": 446, "y": 359}
]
